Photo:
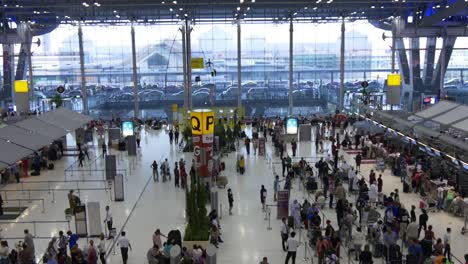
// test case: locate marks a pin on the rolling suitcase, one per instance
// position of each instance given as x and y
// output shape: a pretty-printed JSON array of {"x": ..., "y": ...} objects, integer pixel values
[
  {"x": 411, "y": 259},
  {"x": 378, "y": 250},
  {"x": 291, "y": 221},
  {"x": 406, "y": 187},
  {"x": 50, "y": 166}
]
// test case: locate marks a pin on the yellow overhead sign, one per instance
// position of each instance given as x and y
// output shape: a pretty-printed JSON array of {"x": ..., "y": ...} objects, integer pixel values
[
  {"x": 174, "y": 108},
  {"x": 394, "y": 80},
  {"x": 21, "y": 86},
  {"x": 202, "y": 122},
  {"x": 197, "y": 63}
]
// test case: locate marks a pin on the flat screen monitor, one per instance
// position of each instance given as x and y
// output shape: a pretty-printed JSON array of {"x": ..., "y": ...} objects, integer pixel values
[
  {"x": 291, "y": 126},
  {"x": 127, "y": 128}
]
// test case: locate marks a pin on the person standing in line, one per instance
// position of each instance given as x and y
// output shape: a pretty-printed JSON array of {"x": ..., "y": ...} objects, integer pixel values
[
  {"x": 413, "y": 213},
  {"x": 102, "y": 248},
  {"x": 92, "y": 253},
  {"x": 230, "y": 200},
  {"x": 283, "y": 165},
  {"x": 157, "y": 238},
  {"x": 440, "y": 197},
  {"x": 176, "y": 136},
  {"x": 171, "y": 136},
  {"x": 263, "y": 193},
  {"x": 284, "y": 233},
  {"x": 379, "y": 183},
  {"x": 4, "y": 252},
  {"x": 154, "y": 166},
  {"x": 293, "y": 244},
  {"x": 104, "y": 148},
  {"x": 276, "y": 187},
  {"x": 109, "y": 221},
  {"x": 358, "y": 159},
  {"x": 124, "y": 245},
  {"x": 62, "y": 243},
  {"x": 447, "y": 241},
  {"x": 138, "y": 138},
  {"x": 176, "y": 174},
  {"x": 28, "y": 240}
]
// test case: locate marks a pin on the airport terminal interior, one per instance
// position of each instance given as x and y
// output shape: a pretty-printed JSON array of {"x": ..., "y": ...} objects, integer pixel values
[{"x": 234, "y": 131}]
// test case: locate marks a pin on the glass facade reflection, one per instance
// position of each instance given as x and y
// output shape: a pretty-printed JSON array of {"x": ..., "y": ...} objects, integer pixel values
[{"x": 264, "y": 58}]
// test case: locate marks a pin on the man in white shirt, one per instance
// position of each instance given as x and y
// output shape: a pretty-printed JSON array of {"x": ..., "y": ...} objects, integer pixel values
[
  {"x": 440, "y": 198},
  {"x": 284, "y": 233},
  {"x": 447, "y": 241},
  {"x": 293, "y": 244},
  {"x": 109, "y": 221},
  {"x": 124, "y": 245}
]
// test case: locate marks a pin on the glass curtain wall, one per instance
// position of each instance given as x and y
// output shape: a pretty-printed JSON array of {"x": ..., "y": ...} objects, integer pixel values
[{"x": 265, "y": 66}]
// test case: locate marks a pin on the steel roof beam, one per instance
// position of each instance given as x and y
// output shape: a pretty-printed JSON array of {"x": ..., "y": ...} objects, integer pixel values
[{"x": 459, "y": 8}]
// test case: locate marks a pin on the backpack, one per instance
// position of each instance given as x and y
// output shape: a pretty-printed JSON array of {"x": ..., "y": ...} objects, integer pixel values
[{"x": 13, "y": 256}]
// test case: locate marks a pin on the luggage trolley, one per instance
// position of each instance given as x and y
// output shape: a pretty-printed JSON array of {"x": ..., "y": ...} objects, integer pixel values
[
  {"x": 380, "y": 166},
  {"x": 465, "y": 228}
]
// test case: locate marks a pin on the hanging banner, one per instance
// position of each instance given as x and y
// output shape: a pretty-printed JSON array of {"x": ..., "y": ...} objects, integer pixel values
[{"x": 202, "y": 122}]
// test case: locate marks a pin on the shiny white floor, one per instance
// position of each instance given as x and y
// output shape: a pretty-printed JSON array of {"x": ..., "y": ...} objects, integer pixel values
[{"x": 162, "y": 206}]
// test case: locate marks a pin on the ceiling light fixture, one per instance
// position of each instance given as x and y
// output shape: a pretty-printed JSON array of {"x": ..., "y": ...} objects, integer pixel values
[
  {"x": 315, "y": 8},
  {"x": 241, "y": 1},
  {"x": 174, "y": 2},
  {"x": 238, "y": 8},
  {"x": 372, "y": 7},
  {"x": 117, "y": 16},
  {"x": 97, "y": 4},
  {"x": 170, "y": 9},
  {"x": 253, "y": 1},
  {"x": 382, "y": 7},
  {"x": 248, "y": 8},
  {"x": 180, "y": 9},
  {"x": 305, "y": 8}
]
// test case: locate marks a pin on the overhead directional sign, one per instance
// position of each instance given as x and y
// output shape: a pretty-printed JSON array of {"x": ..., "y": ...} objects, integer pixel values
[
  {"x": 202, "y": 122},
  {"x": 393, "y": 80},
  {"x": 21, "y": 86}
]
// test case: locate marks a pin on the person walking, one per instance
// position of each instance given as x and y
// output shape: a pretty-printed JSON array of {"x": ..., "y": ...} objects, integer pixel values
[
  {"x": 284, "y": 233},
  {"x": 102, "y": 248},
  {"x": 85, "y": 150},
  {"x": 154, "y": 166},
  {"x": 447, "y": 242},
  {"x": 230, "y": 200},
  {"x": 176, "y": 174},
  {"x": 247, "y": 145},
  {"x": 292, "y": 246},
  {"x": 294, "y": 147},
  {"x": 276, "y": 187},
  {"x": 109, "y": 221},
  {"x": 263, "y": 194},
  {"x": 138, "y": 139},
  {"x": 358, "y": 159},
  {"x": 171, "y": 136},
  {"x": 81, "y": 158},
  {"x": 104, "y": 148},
  {"x": 1, "y": 204},
  {"x": 413, "y": 213},
  {"x": 124, "y": 245},
  {"x": 176, "y": 136}
]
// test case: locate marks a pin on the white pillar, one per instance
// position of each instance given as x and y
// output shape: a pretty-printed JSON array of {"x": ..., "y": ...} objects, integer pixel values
[
  {"x": 184, "y": 65},
  {"x": 291, "y": 54},
  {"x": 135, "y": 77},
  {"x": 239, "y": 65},
  {"x": 84, "y": 94},
  {"x": 342, "y": 66}
]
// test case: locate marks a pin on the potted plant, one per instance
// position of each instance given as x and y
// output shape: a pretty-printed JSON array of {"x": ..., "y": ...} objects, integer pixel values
[{"x": 198, "y": 224}]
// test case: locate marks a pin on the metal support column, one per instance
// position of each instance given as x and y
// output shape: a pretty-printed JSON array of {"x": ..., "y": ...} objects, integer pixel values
[
  {"x": 30, "y": 67},
  {"x": 188, "y": 32},
  {"x": 135, "y": 76},
  {"x": 84, "y": 94},
  {"x": 443, "y": 54},
  {"x": 393, "y": 45},
  {"x": 8, "y": 71},
  {"x": 239, "y": 65},
  {"x": 342, "y": 66},
  {"x": 184, "y": 65},
  {"x": 291, "y": 54},
  {"x": 429, "y": 59}
]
